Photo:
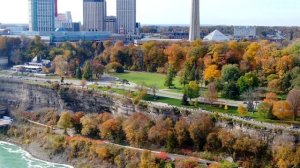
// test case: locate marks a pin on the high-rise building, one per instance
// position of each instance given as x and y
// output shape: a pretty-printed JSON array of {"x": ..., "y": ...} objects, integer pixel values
[
  {"x": 111, "y": 24},
  {"x": 126, "y": 16},
  {"x": 195, "y": 21},
  {"x": 94, "y": 15},
  {"x": 42, "y": 15}
]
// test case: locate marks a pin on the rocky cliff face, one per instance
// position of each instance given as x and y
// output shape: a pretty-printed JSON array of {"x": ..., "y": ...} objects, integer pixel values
[{"x": 29, "y": 97}]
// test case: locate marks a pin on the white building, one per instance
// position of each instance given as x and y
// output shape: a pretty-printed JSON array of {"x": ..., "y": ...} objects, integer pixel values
[
  {"x": 41, "y": 15},
  {"x": 64, "y": 21},
  {"x": 94, "y": 15},
  {"x": 216, "y": 36},
  {"x": 244, "y": 32},
  {"x": 126, "y": 16}
]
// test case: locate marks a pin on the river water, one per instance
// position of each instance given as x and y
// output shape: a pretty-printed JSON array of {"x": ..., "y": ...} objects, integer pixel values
[{"x": 12, "y": 156}]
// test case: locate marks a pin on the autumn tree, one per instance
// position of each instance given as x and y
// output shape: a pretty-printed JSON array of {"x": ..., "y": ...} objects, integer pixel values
[
  {"x": 136, "y": 129},
  {"x": 89, "y": 126},
  {"x": 246, "y": 146},
  {"x": 182, "y": 132},
  {"x": 199, "y": 128},
  {"x": 213, "y": 143},
  {"x": 160, "y": 131},
  {"x": 154, "y": 56},
  {"x": 186, "y": 163},
  {"x": 60, "y": 64},
  {"x": 282, "y": 109},
  {"x": 293, "y": 99},
  {"x": 176, "y": 56},
  {"x": 227, "y": 140},
  {"x": 211, "y": 73},
  {"x": 284, "y": 151},
  {"x": 116, "y": 67},
  {"x": 65, "y": 121},
  {"x": 251, "y": 53},
  {"x": 97, "y": 69},
  {"x": 284, "y": 64},
  {"x": 275, "y": 85},
  {"x": 112, "y": 130},
  {"x": 212, "y": 92},
  {"x": 76, "y": 121},
  {"x": 271, "y": 98},
  {"x": 148, "y": 160},
  {"x": 103, "y": 117}
]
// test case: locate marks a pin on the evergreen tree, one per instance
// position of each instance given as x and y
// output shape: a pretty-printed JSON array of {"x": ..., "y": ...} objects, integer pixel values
[
  {"x": 184, "y": 100},
  {"x": 170, "y": 77},
  {"x": 87, "y": 71},
  {"x": 78, "y": 73}
]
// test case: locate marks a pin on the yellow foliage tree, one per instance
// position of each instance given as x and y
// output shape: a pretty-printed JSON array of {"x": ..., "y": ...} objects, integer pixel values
[{"x": 212, "y": 73}]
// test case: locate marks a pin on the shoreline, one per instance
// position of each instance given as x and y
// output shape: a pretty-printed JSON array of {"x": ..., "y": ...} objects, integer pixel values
[{"x": 37, "y": 152}]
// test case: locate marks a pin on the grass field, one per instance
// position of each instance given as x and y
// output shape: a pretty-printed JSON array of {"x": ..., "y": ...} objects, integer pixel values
[
  {"x": 147, "y": 78},
  {"x": 108, "y": 89}
]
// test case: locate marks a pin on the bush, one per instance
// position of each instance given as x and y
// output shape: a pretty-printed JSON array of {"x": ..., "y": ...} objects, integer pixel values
[
  {"x": 55, "y": 143},
  {"x": 265, "y": 110},
  {"x": 242, "y": 110}
]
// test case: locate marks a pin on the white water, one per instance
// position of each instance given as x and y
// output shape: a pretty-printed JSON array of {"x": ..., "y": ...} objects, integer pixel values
[{"x": 12, "y": 156}]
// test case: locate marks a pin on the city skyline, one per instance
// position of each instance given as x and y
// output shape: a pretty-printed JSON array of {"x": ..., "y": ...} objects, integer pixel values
[{"x": 212, "y": 12}]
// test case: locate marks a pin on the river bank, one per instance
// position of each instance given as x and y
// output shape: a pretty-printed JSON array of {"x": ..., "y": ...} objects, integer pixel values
[{"x": 36, "y": 152}]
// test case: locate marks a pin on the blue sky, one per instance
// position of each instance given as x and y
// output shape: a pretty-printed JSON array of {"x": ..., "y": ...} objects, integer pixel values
[{"x": 212, "y": 12}]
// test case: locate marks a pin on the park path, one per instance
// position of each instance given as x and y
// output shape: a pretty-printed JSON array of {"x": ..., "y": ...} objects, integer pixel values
[{"x": 171, "y": 156}]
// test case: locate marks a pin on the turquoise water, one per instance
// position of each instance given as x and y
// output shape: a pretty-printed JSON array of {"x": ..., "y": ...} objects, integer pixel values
[{"x": 12, "y": 156}]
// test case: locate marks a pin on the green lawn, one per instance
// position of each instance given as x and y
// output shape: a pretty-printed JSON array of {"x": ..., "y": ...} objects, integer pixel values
[
  {"x": 147, "y": 78},
  {"x": 108, "y": 89},
  {"x": 176, "y": 102}
]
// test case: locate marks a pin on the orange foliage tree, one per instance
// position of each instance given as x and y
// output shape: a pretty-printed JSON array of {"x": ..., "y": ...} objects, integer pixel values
[{"x": 282, "y": 109}]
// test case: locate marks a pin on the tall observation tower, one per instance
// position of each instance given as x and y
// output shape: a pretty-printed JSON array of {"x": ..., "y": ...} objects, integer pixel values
[{"x": 195, "y": 21}]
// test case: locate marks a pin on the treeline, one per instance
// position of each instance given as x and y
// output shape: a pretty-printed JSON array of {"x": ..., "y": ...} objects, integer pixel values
[
  {"x": 234, "y": 67},
  {"x": 187, "y": 135}
]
